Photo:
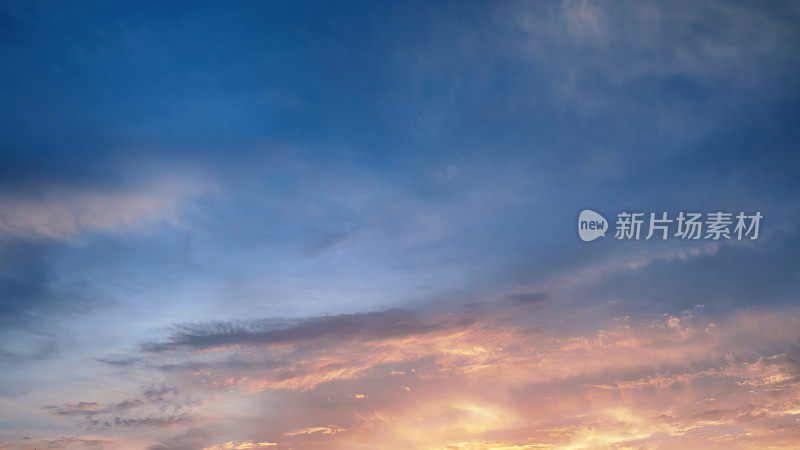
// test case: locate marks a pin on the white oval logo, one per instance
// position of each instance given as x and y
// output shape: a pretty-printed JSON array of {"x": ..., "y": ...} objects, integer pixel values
[{"x": 591, "y": 225}]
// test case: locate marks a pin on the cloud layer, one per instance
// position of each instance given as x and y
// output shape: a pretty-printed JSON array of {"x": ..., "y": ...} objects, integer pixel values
[{"x": 481, "y": 376}]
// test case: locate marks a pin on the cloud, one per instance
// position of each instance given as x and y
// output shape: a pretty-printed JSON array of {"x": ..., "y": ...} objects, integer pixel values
[
  {"x": 240, "y": 445},
  {"x": 332, "y": 429},
  {"x": 164, "y": 421},
  {"x": 156, "y": 407},
  {"x": 361, "y": 326},
  {"x": 63, "y": 442},
  {"x": 191, "y": 439},
  {"x": 491, "y": 376},
  {"x": 151, "y": 396},
  {"x": 80, "y": 408},
  {"x": 58, "y": 212},
  {"x": 597, "y": 56}
]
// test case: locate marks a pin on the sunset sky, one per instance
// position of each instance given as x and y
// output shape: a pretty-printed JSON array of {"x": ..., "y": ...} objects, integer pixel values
[{"x": 347, "y": 225}]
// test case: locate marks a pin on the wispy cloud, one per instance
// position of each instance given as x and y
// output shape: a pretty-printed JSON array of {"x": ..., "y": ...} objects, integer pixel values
[
  {"x": 603, "y": 53},
  {"x": 58, "y": 212},
  {"x": 66, "y": 442}
]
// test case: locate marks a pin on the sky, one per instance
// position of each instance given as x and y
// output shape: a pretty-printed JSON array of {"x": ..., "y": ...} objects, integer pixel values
[{"x": 352, "y": 225}]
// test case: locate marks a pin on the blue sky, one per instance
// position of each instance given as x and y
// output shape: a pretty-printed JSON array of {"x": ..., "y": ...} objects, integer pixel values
[{"x": 230, "y": 166}]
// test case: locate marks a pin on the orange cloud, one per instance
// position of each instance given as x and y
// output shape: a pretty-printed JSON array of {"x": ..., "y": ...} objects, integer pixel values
[
  {"x": 492, "y": 377},
  {"x": 311, "y": 430},
  {"x": 240, "y": 445}
]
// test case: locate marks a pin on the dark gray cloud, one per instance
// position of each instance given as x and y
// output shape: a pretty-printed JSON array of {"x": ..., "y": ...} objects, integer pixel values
[
  {"x": 70, "y": 409},
  {"x": 362, "y": 326},
  {"x": 156, "y": 422},
  {"x": 172, "y": 407},
  {"x": 119, "y": 362}
]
